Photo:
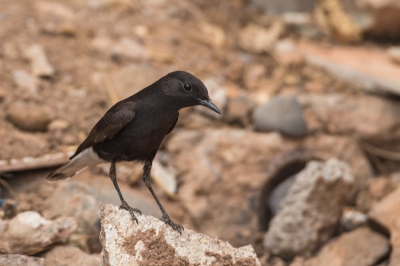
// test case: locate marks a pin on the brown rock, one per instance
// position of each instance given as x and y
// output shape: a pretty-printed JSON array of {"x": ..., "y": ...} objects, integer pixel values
[
  {"x": 387, "y": 212},
  {"x": 372, "y": 110},
  {"x": 361, "y": 247},
  {"x": 29, "y": 116},
  {"x": 238, "y": 109},
  {"x": 220, "y": 163},
  {"x": 20, "y": 260},
  {"x": 394, "y": 54},
  {"x": 287, "y": 53},
  {"x": 28, "y": 232},
  {"x": 257, "y": 39},
  {"x": 70, "y": 256},
  {"x": 151, "y": 242},
  {"x": 311, "y": 210}
]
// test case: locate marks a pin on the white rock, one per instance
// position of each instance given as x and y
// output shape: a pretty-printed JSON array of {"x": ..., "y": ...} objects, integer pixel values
[
  {"x": 25, "y": 80},
  {"x": 39, "y": 62},
  {"x": 152, "y": 242},
  {"x": 163, "y": 178}
]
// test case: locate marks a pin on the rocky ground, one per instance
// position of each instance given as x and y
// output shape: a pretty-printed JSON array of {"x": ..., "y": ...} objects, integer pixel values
[{"x": 303, "y": 164}]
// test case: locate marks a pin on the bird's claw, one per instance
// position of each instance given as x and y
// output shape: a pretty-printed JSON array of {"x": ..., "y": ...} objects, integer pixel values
[
  {"x": 131, "y": 210},
  {"x": 176, "y": 227}
]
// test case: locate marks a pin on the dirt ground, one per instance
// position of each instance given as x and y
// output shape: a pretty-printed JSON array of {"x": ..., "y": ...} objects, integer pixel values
[{"x": 101, "y": 51}]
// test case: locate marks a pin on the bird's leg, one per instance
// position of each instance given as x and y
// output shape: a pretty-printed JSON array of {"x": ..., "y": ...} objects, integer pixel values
[
  {"x": 124, "y": 204},
  {"x": 165, "y": 218}
]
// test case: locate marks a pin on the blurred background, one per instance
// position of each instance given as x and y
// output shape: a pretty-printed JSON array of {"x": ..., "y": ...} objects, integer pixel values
[{"x": 297, "y": 81}]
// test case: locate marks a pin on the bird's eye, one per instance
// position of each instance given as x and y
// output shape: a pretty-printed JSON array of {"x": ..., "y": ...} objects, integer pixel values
[{"x": 187, "y": 87}]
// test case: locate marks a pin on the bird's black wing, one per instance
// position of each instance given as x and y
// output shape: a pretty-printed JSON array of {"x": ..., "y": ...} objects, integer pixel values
[
  {"x": 113, "y": 121},
  {"x": 173, "y": 125}
]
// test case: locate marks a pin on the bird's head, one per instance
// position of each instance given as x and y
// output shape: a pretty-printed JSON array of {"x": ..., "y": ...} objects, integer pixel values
[{"x": 188, "y": 90}]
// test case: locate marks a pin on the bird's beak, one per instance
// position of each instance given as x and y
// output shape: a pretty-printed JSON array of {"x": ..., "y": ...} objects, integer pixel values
[{"x": 209, "y": 104}]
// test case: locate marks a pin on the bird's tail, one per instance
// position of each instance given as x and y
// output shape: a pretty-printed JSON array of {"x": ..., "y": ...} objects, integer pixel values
[{"x": 85, "y": 158}]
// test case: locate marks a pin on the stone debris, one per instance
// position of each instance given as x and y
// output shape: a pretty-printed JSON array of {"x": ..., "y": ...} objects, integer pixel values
[
  {"x": 151, "y": 242},
  {"x": 70, "y": 256},
  {"x": 29, "y": 116},
  {"x": 356, "y": 248},
  {"x": 21, "y": 260},
  {"x": 39, "y": 63},
  {"x": 311, "y": 210},
  {"x": 283, "y": 114},
  {"x": 257, "y": 39},
  {"x": 29, "y": 232},
  {"x": 386, "y": 213}
]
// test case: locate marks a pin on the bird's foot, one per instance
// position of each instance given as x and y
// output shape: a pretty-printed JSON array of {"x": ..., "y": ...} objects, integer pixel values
[
  {"x": 165, "y": 218},
  {"x": 125, "y": 206}
]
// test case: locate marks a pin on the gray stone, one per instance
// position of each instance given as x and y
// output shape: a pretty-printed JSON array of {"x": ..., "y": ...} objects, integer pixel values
[
  {"x": 282, "y": 6},
  {"x": 152, "y": 242},
  {"x": 310, "y": 212},
  {"x": 70, "y": 256},
  {"x": 29, "y": 116},
  {"x": 20, "y": 260},
  {"x": 282, "y": 114}
]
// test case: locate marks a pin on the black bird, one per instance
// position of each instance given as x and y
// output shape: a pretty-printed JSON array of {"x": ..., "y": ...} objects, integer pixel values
[{"x": 133, "y": 129}]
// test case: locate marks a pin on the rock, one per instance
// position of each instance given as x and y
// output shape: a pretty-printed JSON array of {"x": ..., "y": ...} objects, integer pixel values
[
  {"x": 152, "y": 242},
  {"x": 352, "y": 219},
  {"x": 257, "y": 39},
  {"x": 386, "y": 213},
  {"x": 127, "y": 48},
  {"x": 29, "y": 116},
  {"x": 361, "y": 247},
  {"x": 311, "y": 210},
  {"x": 209, "y": 34},
  {"x": 59, "y": 124},
  {"x": 218, "y": 94},
  {"x": 70, "y": 256},
  {"x": 25, "y": 80},
  {"x": 372, "y": 110},
  {"x": 28, "y": 232},
  {"x": 282, "y": 114},
  {"x": 220, "y": 162},
  {"x": 385, "y": 18},
  {"x": 287, "y": 53},
  {"x": 377, "y": 74},
  {"x": 21, "y": 260},
  {"x": 76, "y": 200},
  {"x": 336, "y": 23},
  {"x": 10, "y": 50},
  {"x": 39, "y": 63},
  {"x": 394, "y": 54},
  {"x": 238, "y": 109},
  {"x": 164, "y": 178},
  {"x": 282, "y": 7}
]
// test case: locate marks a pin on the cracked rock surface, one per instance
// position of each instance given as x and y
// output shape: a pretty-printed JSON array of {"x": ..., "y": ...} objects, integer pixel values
[{"x": 152, "y": 242}]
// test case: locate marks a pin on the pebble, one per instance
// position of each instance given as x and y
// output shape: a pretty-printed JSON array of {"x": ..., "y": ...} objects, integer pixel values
[
  {"x": 238, "y": 109},
  {"x": 29, "y": 116},
  {"x": 283, "y": 114},
  {"x": 39, "y": 62}
]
